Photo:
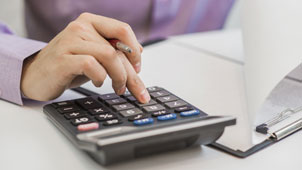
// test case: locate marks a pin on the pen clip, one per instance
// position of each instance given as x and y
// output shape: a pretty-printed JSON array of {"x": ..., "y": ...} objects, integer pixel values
[{"x": 264, "y": 128}]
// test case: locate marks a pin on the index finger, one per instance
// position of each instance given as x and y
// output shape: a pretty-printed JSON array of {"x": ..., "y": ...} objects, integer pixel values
[{"x": 134, "y": 83}]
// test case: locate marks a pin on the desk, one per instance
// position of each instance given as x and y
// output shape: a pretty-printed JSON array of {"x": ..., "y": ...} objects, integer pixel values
[{"x": 30, "y": 141}]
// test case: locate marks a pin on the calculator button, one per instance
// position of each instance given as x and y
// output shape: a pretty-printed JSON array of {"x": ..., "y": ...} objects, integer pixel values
[
  {"x": 137, "y": 117},
  {"x": 126, "y": 94},
  {"x": 144, "y": 121},
  {"x": 124, "y": 106},
  {"x": 153, "y": 89},
  {"x": 88, "y": 103},
  {"x": 112, "y": 122},
  {"x": 68, "y": 109},
  {"x": 98, "y": 110},
  {"x": 109, "y": 96},
  {"x": 130, "y": 112},
  {"x": 175, "y": 104},
  {"x": 75, "y": 114},
  {"x": 105, "y": 116},
  {"x": 151, "y": 102},
  {"x": 184, "y": 108},
  {"x": 88, "y": 126},
  {"x": 167, "y": 117},
  {"x": 167, "y": 99},
  {"x": 81, "y": 120},
  {"x": 153, "y": 108},
  {"x": 160, "y": 113},
  {"x": 131, "y": 98},
  {"x": 159, "y": 94},
  {"x": 115, "y": 101},
  {"x": 62, "y": 104},
  {"x": 189, "y": 113}
]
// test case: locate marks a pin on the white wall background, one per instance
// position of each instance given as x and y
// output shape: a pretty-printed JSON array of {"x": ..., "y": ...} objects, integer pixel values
[{"x": 11, "y": 12}]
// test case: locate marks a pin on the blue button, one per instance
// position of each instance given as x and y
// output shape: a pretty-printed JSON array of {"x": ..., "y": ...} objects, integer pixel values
[
  {"x": 143, "y": 121},
  {"x": 190, "y": 113},
  {"x": 167, "y": 117}
]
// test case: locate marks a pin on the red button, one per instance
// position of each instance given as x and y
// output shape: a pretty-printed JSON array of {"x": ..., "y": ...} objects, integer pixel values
[{"x": 88, "y": 126}]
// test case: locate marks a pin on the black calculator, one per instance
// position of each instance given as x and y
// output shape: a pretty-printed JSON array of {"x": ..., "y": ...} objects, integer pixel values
[{"x": 112, "y": 128}]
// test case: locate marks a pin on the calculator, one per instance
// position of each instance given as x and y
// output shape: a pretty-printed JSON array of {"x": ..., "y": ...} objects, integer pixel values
[{"x": 112, "y": 128}]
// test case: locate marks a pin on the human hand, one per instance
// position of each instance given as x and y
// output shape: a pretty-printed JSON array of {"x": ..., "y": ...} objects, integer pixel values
[{"x": 81, "y": 53}]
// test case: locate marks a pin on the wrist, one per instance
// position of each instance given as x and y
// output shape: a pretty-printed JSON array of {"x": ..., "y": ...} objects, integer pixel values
[{"x": 26, "y": 65}]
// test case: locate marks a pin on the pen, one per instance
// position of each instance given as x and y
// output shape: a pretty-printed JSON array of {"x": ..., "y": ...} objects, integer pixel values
[{"x": 120, "y": 46}]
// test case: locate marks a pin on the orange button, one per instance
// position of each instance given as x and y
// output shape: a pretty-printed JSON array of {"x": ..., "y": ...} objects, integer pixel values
[{"x": 88, "y": 126}]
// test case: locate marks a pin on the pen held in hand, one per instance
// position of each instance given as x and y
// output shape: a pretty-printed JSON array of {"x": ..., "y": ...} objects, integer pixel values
[{"x": 120, "y": 46}]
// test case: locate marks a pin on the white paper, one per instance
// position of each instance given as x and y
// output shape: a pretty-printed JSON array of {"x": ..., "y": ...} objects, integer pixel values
[{"x": 272, "y": 35}]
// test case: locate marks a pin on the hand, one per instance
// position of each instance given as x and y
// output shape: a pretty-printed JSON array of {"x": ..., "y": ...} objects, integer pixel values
[{"x": 81, "y": 53}]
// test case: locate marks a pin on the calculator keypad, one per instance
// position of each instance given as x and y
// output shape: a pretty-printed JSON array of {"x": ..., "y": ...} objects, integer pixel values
[
  {"x": 88, "y": 103},
  {"x": 108, "y": 96},
  {"x": 153, "y": 108},
  {"x": 175, "y": 104},
  {"x": 105, "y": 116},
  {"x": 130, "y": 112},
  {"x": 81, "y": 120},
  {"x": 108, "y": 110},
  {"x": 98, "y": 110},
  {"x": 88, "y": 126},
  {"x": 112, "y": 122},
  {"x": 165, "y": 99},
  {"x": 159, "y": 94},
  {"x": 68, "y": 109},
  {"x": 137, "y": 117},
  {"x": 115, "y": 101},
  {"x": 124, "y": 106},
  {"x": 151, "y": 102},
  {"x": 75, "y": 114}
]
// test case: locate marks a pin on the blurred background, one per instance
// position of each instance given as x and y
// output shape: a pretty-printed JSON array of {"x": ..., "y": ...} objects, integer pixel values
[{"x": 11, "y": 13}]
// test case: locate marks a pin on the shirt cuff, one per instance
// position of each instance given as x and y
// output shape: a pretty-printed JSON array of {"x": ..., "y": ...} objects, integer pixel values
[{"x": 13, "y": 51}]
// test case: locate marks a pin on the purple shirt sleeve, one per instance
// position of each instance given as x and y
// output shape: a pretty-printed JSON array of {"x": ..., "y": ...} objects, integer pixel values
[{"x": 13, "y": 51}]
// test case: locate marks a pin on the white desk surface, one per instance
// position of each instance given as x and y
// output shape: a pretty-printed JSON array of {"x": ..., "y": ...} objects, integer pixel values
[{"x": 29, "y": 141}]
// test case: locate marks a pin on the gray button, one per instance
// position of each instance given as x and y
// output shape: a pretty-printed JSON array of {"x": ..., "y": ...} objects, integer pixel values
[
  {"x": 124, "y": 106},
  {"x": 153, "y": 89},
  {"x": 116, "y": 101},
  {"x": 151, "y": 102},
  {"x": 159, "y": 94},
  {"x": 167, "y": 99},
  {"x": 108, "y": 96},
  {"x": 175, "y": 104},
  {"x": 130, "y": 112},
  {"x": 153, "y": 108}
]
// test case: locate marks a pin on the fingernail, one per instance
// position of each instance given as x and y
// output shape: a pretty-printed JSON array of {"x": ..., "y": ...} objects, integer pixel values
[
  {"x": 145, "y": 96},
  {"x": 121, "y": 90},
  {"x": 138, "y": 67}
]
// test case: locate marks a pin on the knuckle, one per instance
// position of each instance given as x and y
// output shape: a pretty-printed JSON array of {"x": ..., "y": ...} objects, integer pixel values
[
  {"x": 76, "y": 26},
  {"x": 85, "y": 15},
  {"x": 88, "y": 62},
  {"x": 121, "y": 80},
  {"x": 124, "y": 29},
  {"x": 134, "y": 81},
  {"x": 109, "y": 53}
]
